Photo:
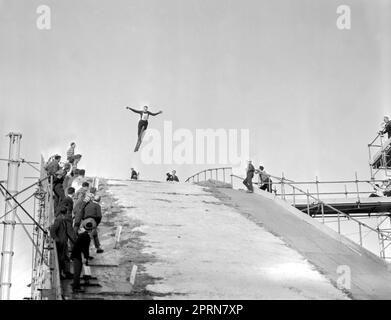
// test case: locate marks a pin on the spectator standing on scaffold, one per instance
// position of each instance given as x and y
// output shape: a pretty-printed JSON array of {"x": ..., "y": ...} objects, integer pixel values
[
  {"x": 386, "y": 127},
  {"x": 53, "y": 165},
  {"x": 61, "y": 230},
  {"x": 71, "y": 152},
  {"x": 58, "y": 185},
  {"x": 81, "y": 247}
]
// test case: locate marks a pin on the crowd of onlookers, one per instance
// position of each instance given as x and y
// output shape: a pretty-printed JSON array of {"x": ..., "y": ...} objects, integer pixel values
[{"x": 77, "y": 213}]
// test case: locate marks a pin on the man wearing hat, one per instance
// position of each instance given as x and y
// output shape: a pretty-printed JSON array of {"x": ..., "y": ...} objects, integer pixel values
[
  {"x": 93, "y": 211},
  {"x": 81, "y": 246}
]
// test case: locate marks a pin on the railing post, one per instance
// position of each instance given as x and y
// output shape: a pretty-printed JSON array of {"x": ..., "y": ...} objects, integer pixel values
[
  {"x": 294, "y": 195},
  {"x": 282, "y": 186},
  {"x": 317, "y": 187},
  {"x": 370, "y": 162},
  {"x": 224, "y": 175},
  {"x": 322, "y": 208},
  {"x": 357, "y": 188},
  {"x": 383, "y": 154},
  {"x": 308, "y": 203},
  {"x": 382, "y": 250},
  {"x": 205, "y": 175},
  {"x": 339, "y": 223},
  {"x": 360, "y": 233},
  {"x": 346, "y": 192}
]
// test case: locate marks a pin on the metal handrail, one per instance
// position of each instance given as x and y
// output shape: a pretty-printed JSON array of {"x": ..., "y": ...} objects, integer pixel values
[
  {"x": 347, "y": 183},
  {"x": 333, "y": 182},
  {"x": 211, "y": 170},
  {"x": 283, "y": 182},
  {"x": 339, "y": 212}
]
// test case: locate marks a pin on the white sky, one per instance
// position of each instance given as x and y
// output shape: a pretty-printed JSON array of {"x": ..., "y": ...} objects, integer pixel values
[{"x": 311, "y": 95}]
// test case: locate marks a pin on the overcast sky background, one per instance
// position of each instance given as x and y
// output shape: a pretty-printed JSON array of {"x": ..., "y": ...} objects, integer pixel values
[{"x": 311, "y": 95}]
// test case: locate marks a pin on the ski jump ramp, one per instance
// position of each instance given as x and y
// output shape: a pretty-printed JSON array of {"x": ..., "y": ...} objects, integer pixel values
[{"x": 185, "y": 241}]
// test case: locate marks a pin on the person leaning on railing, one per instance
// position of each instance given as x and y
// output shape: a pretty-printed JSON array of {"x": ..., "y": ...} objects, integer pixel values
[{"x": 265, "y": 183}]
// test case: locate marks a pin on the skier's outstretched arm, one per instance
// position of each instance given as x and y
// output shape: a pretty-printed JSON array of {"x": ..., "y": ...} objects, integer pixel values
[
  {"x": 134, "y": 110},
  {"x": 155, "y": 114}
]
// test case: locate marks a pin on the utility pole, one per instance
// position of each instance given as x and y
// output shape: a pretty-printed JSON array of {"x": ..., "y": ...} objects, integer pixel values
[{"x": 9, "y": 220}]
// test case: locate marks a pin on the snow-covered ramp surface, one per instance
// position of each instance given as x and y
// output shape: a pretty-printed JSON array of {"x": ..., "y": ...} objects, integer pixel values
[{"x": 204, "y": 249}]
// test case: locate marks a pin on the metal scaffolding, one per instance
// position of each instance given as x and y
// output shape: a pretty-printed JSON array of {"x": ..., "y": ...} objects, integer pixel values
[
  {"x": 379, "y": 151},
  {"x": 45, "y": 272},
  {"x": 7, "y": 251},
  {"x": 46, "y": 284}
]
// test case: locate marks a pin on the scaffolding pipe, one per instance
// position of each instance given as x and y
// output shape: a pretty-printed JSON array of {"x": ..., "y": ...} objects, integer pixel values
[{"x": 9, "y": 222}]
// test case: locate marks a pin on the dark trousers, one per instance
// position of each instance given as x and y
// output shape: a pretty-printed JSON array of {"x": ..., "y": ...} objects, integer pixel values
[
  {"x": 267, "y": 186},
  {"x": 94, "y": 236},
  {"x": 59, "y": 194},
  {"x": 248, "y": 182},
  {"x": 142, "y": 126},
  {"x": 63, "y": 256},
  {"x": 77, "y": 268}
]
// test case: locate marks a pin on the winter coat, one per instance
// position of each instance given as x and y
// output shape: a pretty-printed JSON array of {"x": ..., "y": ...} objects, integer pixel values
[
  {"x": 61, "y": 230},
  {"x": 93, "y": 210}
]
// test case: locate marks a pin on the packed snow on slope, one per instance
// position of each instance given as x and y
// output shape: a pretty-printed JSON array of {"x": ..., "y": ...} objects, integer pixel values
[{"x": 206, "y": 250}]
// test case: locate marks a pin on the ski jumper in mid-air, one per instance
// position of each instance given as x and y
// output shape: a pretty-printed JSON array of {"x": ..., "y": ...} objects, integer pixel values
[{"x": 143, "y": 123}]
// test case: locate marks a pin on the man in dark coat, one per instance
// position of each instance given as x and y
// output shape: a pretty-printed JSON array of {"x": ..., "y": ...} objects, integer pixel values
[
  {"x": 54, "y": 165},
  {"x": 173, "y": 177},
  {"x": 248, "y": 182},
  {"x": 386, "y": 127},
  {"x": 133, "y": 174},
  {"x": 81, "y": 246},
  {"x": 67, "y": 202},
  {"x": 61, "y": 231},
  {"x": 58, "y": 185},
  {"x": 93, "y": 211}
]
